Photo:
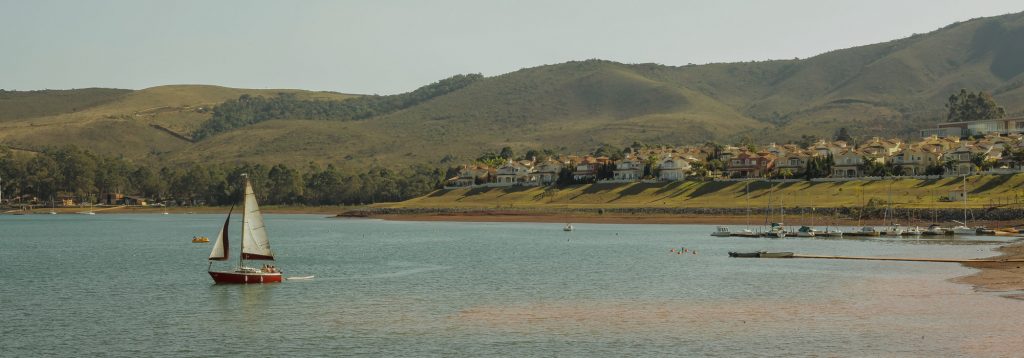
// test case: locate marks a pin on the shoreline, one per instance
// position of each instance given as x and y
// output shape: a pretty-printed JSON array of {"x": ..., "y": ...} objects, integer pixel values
[
  {"x": 998, "y": 276},
  {"x": 633, "y": 218}
]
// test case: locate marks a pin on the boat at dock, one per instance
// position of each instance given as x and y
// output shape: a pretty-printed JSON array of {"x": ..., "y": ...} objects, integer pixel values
[
  {"x": 865, "y": 231},
  {"x": 935, "y": 229},
  {"x": 722, "y": 231},
  {"x": 775, "y": 230},
  {"x": 805, "y": 231}
]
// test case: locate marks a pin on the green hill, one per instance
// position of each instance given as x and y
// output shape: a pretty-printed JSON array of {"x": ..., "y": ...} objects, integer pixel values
[{"x": 888, "y": 88}]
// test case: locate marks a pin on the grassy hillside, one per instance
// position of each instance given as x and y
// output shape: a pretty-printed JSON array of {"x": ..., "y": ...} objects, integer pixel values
[
  {"x": 28, "y": 104},
  {"x": 143, "y": 124},
  {"x": 891, "y": 88},
  {"x": 906, "y": 193}
]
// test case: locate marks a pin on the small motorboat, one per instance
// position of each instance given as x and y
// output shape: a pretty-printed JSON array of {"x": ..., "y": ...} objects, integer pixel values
[
  {"x": 568, "y": 227},
  {"x": 830, "y": 233},
  {"x": 776, "y": 230},
  {"x": 722, "y": 231},
  {"x": 981, "y": 230},
  {"x": 935, "y": 229},
  {"x": 865, "y": 231},
  {"x": 913, "y": 231},
  {"x": 200, "y": 239},
  {"x": 893, "y": 230},
  {"x": 805, "y": 231}
]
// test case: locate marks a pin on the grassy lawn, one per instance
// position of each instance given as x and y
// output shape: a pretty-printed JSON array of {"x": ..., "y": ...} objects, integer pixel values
[{"x": 983, "y": 191}]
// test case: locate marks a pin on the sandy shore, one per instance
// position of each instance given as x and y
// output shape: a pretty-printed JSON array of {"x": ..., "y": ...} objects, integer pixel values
[{"x": 999, "y": 277}]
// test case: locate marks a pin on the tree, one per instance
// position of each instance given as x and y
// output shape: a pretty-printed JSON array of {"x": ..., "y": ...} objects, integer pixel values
[
  {"x": 969, "y": 106},
  {"x": 506, "y": 153},
  {"x": 843, "y": 135}
]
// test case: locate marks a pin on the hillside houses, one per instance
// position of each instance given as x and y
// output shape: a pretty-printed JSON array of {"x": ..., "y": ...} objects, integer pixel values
[{"x": 841, "y": 160}]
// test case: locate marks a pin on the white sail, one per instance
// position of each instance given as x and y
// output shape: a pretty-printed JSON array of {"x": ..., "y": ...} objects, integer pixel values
[
  {"x": 255, "y": 245},
  {"x": 220, "y": 247}
]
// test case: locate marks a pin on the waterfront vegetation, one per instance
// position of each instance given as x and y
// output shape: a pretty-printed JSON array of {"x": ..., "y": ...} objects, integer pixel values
[{"x": 82, "y": 176}]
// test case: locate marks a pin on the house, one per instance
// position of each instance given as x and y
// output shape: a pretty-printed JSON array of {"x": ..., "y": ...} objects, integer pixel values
[
  {"x": 629, "y": 169},
  {"x": 547, "y": 172},
  {"x": 847, "y": 164},
  {"x": 586, "y": 169},
  {"x": 513, "y": 173},
  {"x": 916, "y": 159},
  {"x": 673, "y": 168},
  {"x": 470, "y": 175},
  {"x": 112, "y": 199},
  {"x": 750, "y": 165},
  {"x": 134, "y": 201},
  {"x": 794, "y": 162}
]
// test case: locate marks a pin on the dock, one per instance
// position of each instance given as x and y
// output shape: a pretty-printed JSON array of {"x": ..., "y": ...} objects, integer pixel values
[{"x": 907, "y": 259}]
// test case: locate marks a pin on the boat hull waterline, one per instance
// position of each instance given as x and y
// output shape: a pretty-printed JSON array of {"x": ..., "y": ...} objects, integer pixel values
[{"x": 233, "y": 277}]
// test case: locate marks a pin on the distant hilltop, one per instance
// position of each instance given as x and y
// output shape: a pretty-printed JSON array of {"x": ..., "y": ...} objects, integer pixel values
[{"x": 887, "y": 89}]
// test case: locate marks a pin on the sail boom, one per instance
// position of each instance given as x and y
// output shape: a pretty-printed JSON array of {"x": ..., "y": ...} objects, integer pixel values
[{"x": 248, "y": 256}]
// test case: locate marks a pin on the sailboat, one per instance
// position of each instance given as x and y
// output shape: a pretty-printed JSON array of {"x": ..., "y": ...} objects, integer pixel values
[
  {"x": 963, "y": 229},
  {"x": 894, "y": 229},
  {"x": 254, "y": 245}
]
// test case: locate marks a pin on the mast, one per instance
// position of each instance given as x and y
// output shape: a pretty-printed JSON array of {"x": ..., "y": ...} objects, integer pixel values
[
  {"x": 782, "y": 210},
  {"x": 241, "y": 242},
  {"x": 748, "y": 204},
  {"x": 965, "y": 200}
]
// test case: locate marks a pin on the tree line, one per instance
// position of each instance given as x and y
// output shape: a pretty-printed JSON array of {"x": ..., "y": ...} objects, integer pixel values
[
  {"x": 83, "y": 175},
  {"x": 248, "y": 110}
]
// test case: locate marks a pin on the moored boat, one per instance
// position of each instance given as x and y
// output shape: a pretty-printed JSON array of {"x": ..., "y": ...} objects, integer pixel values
[
  {"x": 254, "y": 245},
  {"x": 865, "y": 231},
  {"x": 722, "y": 231},
  {"x": 805, "y": 231},
  {"x": 200, "y": 239},
  {"x": 935, "y": 229}
]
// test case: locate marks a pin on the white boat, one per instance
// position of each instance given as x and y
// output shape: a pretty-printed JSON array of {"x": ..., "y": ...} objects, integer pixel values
[
  {"x": 893, "y": 230},
  {"x": 776, "y": 230},
  {"x": 935, "y": 229},
  {"x": 568, "y": 227},
  {"x": 830, "y": 233},
  {"x": 722, "y": 231},
  {"x": 962, "y": 228},
  {"x": 912, "y": 231},
  {"x": 805, "y": 231}
]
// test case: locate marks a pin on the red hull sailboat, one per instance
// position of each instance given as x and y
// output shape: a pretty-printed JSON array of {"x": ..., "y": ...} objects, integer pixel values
[{"x": 254, "y": 246}]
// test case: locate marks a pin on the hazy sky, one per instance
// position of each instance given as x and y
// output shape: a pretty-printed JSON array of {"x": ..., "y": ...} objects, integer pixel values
[{"x": 395, "y": 46}]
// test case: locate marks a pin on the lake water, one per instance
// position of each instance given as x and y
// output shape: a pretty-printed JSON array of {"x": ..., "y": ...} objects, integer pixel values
[{"x": 134, "y": 285}]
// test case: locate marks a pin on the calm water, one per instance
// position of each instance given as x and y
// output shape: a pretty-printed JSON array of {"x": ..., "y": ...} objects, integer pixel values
[{"x": 133, "y": 285}]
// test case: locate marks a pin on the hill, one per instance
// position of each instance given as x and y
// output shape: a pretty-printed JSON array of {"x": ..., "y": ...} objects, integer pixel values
[{"x": 891, "y": 88}]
